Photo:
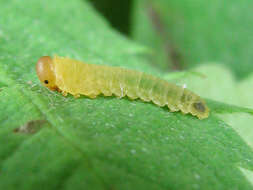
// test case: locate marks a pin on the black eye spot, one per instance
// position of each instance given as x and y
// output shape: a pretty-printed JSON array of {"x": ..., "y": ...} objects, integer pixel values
[
  {"x": 46, "y": 81},
  {"x": 199, "y": 106}
]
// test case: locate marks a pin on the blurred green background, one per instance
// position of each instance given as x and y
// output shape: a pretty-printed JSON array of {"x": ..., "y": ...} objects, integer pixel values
[
  {"x": 187, "y": 33},
  {"x": 118, "y": 13}
]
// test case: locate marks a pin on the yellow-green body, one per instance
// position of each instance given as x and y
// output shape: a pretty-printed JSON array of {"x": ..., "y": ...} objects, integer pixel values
[{"x": 78, "y": 78}]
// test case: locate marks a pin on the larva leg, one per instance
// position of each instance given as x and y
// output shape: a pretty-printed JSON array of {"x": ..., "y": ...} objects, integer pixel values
[
  {"x": 92, "y": 96},
  {"x": 158, "y": 94},
  {"x": 106, "y": 80},
  {"x": 132, "y": 80},
  {"x": 117, "y": 85},
  {"x": 173, "y": 94},
  {"x": 122, "y": 89},
  {"x": 185, "y": 101},
  {"x": 64, "y": 93},
  {"x": 77, "y": 95},
  {"x": 58, "y": 90},
  {"x": 145, "y": 87}
]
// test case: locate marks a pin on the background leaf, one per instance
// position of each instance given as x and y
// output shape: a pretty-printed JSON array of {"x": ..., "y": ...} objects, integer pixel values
[{"x": 186, "y": 33}]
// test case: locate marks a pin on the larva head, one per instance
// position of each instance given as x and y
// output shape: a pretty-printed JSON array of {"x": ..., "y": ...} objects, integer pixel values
[
  {"x": 200, "y": 109},
  {"x": 46, "y": 73}
]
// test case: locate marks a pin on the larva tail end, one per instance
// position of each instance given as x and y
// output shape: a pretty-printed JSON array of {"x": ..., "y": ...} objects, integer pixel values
[{"x": 200, "y": 109}]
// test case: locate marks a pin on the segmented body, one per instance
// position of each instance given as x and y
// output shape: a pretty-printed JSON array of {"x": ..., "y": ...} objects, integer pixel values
[{"x": 78, "y": 78}]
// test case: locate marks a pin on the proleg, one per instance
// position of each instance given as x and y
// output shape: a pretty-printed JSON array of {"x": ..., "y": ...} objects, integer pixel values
[{"x": 78, "y": 78}]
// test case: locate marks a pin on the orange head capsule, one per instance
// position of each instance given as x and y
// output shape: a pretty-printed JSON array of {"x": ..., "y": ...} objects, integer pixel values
[{"x": 46, "y": 73}]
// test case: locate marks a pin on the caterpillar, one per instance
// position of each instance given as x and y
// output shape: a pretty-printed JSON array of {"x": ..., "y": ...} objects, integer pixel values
[{"x": 77, "y": 78}]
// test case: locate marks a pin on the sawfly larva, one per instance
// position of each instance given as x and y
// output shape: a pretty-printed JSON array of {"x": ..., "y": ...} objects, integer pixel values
[{"x": 77, "y": 78}]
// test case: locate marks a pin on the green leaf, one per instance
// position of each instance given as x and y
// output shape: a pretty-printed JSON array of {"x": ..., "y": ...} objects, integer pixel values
[
  {"x": 55, "y": 142},
  {"x": 186, "y": 33}
]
